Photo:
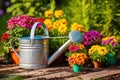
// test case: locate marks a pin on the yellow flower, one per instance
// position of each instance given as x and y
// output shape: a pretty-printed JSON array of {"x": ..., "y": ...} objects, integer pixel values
[
  {"x": 102, "y": 50},
  {"x": 48, "y": 13},
  {"x": 90, "y": 51},
  {"x": 62, "y": 28},
  {"x": 63, "y": 21},
  {"x": 93, "y": 49},
  {"x": 59, "y": 13},
  {"x": 78, "y": 27},
  {"x": 48, "y": 24},
  {"x": 56, "y": 24}
]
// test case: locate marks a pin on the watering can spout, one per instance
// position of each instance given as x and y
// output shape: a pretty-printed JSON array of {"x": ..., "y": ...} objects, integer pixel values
[
  {"x": 74, "y": 37},
  {"x": 59, "y": 52}
]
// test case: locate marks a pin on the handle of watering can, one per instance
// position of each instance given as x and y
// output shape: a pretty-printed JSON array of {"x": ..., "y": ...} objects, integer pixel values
[
  {"x": 33, "y": 31},
  {"x": 11, "y": 45}
]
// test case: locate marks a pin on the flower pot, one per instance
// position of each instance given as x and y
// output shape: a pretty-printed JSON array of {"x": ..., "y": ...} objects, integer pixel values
[
  {"x": 111, "y": 59},
  {"x": 15, "y": 58},
  {"x": 96, "y": 64},
  {"x": 77, "y": 68}
]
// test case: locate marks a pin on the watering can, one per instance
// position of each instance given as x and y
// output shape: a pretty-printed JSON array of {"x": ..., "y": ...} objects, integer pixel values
[{"x": 34, "y": 49}]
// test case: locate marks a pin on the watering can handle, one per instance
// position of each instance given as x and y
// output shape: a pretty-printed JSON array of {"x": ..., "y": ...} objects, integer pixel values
[
  {"x": 33, "y": 31},
  {"x": 13, "y": 48}
]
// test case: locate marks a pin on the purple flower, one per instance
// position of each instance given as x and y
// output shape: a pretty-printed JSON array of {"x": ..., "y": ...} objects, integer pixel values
[
  {"x": 1, "y": 12},
  {"x": 7, "y": 3},
  {"x": 92, "y": 36}
]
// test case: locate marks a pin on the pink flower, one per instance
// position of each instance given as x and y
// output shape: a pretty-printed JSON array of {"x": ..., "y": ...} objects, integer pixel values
[
  {"x": 73, "y": 48},
  {"x": 23, "y": 21}
]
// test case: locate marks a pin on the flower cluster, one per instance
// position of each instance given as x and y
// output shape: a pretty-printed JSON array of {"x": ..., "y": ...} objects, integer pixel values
[
  {"x": 97, "y": 53},
  {"x": 77, "y": 54},
  {"x": 109, "y": 40},
  {"x": 92, "y": 37},
  {"x": 77, "y": 58},
  {"x": 76, "y": 48},
  {"x": 99, "y": 49},
  {"x": 55, "y": 22},
  {"x": 78, "y": 27},
  {"x": 23, "y": 21},
  {"x": 110, "y": 43}
]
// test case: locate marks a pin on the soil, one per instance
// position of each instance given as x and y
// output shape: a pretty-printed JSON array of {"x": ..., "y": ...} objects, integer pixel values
[{"x": 68, "y": 72}]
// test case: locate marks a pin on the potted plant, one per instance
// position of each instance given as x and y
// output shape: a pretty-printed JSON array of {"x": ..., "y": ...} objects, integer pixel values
[
  {"x": 97, "y": 55},
  {"x": 17, "y": 27},
  {"x": 113, "y": 47},
  {"x": 77, "y": 57}
]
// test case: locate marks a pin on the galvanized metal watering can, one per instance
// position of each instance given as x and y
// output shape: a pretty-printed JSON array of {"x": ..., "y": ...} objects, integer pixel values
[{"x": 34, "y": 49}]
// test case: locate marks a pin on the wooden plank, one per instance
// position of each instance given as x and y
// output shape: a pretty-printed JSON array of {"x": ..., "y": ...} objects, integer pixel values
[{"x": 9, "y": 68}]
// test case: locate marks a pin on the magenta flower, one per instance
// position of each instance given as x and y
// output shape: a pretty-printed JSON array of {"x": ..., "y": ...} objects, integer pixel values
[
  {"x": 114, "y": 44},
  {"x": 73, "y": 48},
  {"x": 92, "y": 37},
  {"x": 105, "y": 42}
]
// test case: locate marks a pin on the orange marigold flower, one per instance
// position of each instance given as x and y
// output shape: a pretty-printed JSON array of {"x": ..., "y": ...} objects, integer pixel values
[
  {"x": 59, "y": 13},
  {"x": 48, "y": 24},
  {"x": 49, "y": 13},
  {"x": 81, "y": 46}
]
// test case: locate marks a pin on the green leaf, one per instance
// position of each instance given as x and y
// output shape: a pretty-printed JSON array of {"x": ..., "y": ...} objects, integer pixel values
[{"x": 13, "y": 1}]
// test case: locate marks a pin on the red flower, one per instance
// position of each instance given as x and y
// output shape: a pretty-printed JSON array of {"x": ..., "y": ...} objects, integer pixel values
[
  {"x": 40, "y": 19},
  {"x": 4, "y": 36}
]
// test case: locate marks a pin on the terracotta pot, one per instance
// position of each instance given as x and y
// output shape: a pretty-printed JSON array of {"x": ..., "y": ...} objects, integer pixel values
[
  {"x": 96, "y": 64},
  {"x": 15, "y": 58}
]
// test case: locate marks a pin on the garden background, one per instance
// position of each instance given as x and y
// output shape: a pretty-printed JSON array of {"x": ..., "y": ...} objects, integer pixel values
[{"x": 100, "y": 15}]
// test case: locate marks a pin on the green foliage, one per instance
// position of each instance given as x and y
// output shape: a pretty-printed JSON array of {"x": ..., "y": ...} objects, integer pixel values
[
  {"x": 30, "y": 8},
  {"x": 3, "y": 26},
  {"x": 101, "y": 15},
  {"x": 79, "y": 12}
]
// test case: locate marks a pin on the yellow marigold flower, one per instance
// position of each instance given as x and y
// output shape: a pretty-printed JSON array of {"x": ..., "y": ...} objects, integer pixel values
[
  {"x": 62, "y": 29},
  {"x": 93, "y": 49},
  {"x": 90, "y": 51},
  {"x": 48, "y": 24},
  {"x": 56, "y": 24},
  {"x": 64, "y": 21},
  {"x": 78, "y": 27},
  {"x": 102, "y": 50},
  {"x": 59, "y": 13},
  {"x": 81, "y": 46},
  {"x": 49, "y": 13}
]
